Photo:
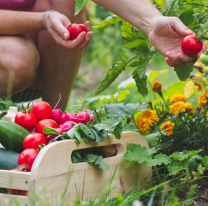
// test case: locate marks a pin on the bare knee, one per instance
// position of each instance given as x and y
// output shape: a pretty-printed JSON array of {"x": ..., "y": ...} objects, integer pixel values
[{"x": 21, "y": 60}]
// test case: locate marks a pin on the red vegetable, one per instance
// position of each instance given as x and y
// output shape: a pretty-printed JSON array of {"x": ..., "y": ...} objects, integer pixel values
[
  {"x": 27, "y": 157},
  {"x": 56, "y": 115},
  {"x": 75, "y": 30},
  {"x": 42, "y": 110},
  {"x": 190, "y": 46},
  {"x": 45, "y": 123},
  {"x": 26, "y": 119},
  {"x": 32, "y": 141},
  {"x": 13, "y": 191},
  {"x": 50, "y": 137},
  {"x": 92, "y": 118},
  {"x": 67, "y": 126}
]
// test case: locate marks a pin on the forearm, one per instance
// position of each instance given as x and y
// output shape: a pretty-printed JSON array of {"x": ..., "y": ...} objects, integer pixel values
[
  {"x": 140, "y": 13},
  {"x": 15, "y": 22}
]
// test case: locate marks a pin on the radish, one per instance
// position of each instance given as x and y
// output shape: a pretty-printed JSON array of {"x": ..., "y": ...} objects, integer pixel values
[
  {"x": 66, "y": 117},
  {"x": 50, "y": 137},
  {"x": 92, "y": 118},
  {"x": 57, "y": 115},
  {"x": 67, "y": 126}
]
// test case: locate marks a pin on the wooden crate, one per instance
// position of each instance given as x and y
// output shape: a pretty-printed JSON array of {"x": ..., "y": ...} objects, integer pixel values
[{"x": 54, "y": 176}]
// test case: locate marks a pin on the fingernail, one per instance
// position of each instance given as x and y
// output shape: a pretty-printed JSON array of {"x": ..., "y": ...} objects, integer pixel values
[
  {"x": 170, "y": 55},
  {"x": 65, "y": 36}
]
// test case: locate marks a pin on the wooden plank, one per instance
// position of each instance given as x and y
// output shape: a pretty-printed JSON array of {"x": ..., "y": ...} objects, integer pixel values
[
  {"x": 53, "y": 167},
  {"x": 14, "y": 180},
  {"x": 6, "y": 200}
]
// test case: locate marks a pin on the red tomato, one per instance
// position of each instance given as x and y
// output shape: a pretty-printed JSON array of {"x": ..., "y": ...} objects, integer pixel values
[
  {"x": 13, "y": 191},
  {"x": 45, "y": 123},
  {"x": 27, "y": 157},
  {"x": 190, "y": 46},
  {"x": 42, "y": 110},
  {"x": 32, "y": 141},
  {"x": 26, "y": 120},
  {"x": 75, "y": 30}
]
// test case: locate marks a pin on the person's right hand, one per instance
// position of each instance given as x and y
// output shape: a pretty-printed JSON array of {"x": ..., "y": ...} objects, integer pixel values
[
  {"x": 166, "y": 36},
  {"x": 57, "y": 23}
]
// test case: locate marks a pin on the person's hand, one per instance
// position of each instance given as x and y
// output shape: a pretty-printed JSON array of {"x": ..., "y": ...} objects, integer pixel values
[
  {"x": 166, "y": 36},
  {"x": 57, "y": 24}
]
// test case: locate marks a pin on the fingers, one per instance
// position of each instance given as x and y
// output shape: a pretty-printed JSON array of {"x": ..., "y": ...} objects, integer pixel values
[
  {"x": 86, "y": 42},
  {"x": 169, "y": 62},
  {"x": 204, "y": 49},
  {"x": 179, "y": 27}
]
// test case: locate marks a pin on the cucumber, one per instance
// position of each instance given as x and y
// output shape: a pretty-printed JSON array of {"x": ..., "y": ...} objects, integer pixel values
[
  {"x": 8, "y": 159},
  {"x": 3, "y": 190},
  {"x": 12, "y": 136}
]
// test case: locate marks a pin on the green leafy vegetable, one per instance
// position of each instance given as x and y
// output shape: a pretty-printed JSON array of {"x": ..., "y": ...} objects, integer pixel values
[
  {"x": 184, "y": 71},
  {"x": 79, "y": 5}
]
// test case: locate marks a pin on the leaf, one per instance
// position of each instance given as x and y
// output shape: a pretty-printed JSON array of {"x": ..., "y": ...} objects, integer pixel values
[
  {"x": 186, "y": 16},
  {"x": 152, "y": 139},
  {"x": 100, "y": 132},
  {"x": 158, "y": 160},
  {"x": 89, "y": 158},
  {"x": 175, "y": 167},
  {"x": 185, "y": 154},
  {"x": 134, "y": 43},
  {"x": 127, "y": 32},
  {"x": 205, "y": 161},
  {"x": 108, "y": 21},
  {"x": 183, "y": 71},
  {"x": 170, "y": 7},
  {"x": 130, "y": 128},
  {"x": 193, "y": 162},
  {"x": 122, "y": 95},
  {"x": 133, "y": 64},
  {"x": 189, "y": 89},
  {"x": 141, "y": 83},
  {"x": 138, "y": 153},
  {"x": 74, "y": 133},
  {"x": 50, "y": 131},
  {"x": 112, "y": 74},
  {"x": 117, "y": 129},
  {"x": 102, "y": 165},
  {"x": 79, "y": 5},
  {"x": 120, "y": 110}
]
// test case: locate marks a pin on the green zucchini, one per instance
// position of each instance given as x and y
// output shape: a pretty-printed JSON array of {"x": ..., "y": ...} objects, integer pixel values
[
  {"x": 12, "y": 136},
  {"x": 8, "y": 159}
]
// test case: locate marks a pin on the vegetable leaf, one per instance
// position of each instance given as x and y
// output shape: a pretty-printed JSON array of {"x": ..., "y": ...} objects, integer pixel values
[
  {"x": 108, "y": 21},
  {"x": 170, "y": 8},
  {"x": 135, "y": 43},
  {"x": 120, "y": 110},
  {"x": 183, "y": 71},
  {"x": 158, "y": 160},
  {"x": 130, "y": 128},
  {"x": 79, "y": 5},
  {"x": 100, "y": 132},
  {"x": 50, "y": 131},
  {"x": 112, "y": 74},
  {"x": 152, "y": 139},
  {"x": 175, "y": 167},
  {"x": 186, "y": 16},
  {"x": 205, "y": 161},
  {"x": 102, "y": 165},
  {"x": 138, "y": 153},
  {"x": 193, "y": 162}
]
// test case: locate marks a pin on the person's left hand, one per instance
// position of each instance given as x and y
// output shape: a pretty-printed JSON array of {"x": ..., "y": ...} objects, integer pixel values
[{"x": 166, "y": 36}]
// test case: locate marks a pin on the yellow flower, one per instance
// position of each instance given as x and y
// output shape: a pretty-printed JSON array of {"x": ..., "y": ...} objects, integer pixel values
[
  {"x": 189, "y": 108},
  {"x": 178, "y": 98},
  {"x": 203, "y": 99},
  {"x": 168, "y": 126},
  {"x": 145, "y": 120},
  {"x": 177, "y": 107},
  {"x": 156, "y": 86}
]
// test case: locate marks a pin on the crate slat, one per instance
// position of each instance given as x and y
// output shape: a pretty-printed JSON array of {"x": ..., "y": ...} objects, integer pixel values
[
  {"x": 14, "y": 180},
  {"x": 6, "y": 200}
]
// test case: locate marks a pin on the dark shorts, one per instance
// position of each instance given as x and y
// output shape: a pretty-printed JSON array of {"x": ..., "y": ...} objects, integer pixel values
[{"x": 26, "y": 95}]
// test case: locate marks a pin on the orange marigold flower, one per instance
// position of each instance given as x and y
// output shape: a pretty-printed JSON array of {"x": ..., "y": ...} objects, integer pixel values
[
  {"x": 189, "y": 108},
  {"x": 156, "y": 86},
  {"x": 203, "y": 99},
  {"x": 178, "y": 98},
  {"x": 145, "y": 120},
  {"x": 177, "y": 107},
  {"x": 168, "y": 126}
]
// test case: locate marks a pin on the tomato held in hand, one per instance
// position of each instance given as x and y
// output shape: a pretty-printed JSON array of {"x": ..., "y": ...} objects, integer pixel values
[
  {"x": 190, "y": 46},
  {"x": 75, "y": 30},
  {"x": 45, "y": 123},
  {"x": 204, "y": 58},
  {"x": 26, "y": 119},
  {"x": 42, "y": 110},
  {"x": 33, "y": 140},
  {"x": 26, "y": 158}
]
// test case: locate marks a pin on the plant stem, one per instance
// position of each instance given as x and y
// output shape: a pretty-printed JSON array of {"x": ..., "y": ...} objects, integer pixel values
[
  {"x": 158, "y": 176},
  {"x": 131, "y": 59},
  {"x": 132, "y": 118}
]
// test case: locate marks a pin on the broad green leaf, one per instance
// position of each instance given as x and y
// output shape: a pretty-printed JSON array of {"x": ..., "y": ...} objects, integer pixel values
[
  {"x": 205, "y": 161},
  {"x": 50, "y": 131},
  {"x": 101, "y": 132},
  {"x": 193, "y": 162},
  {"x": 89, "y": 158},
  {"x": 153, "y": 74},
  {"x": 127, "y": 32},
  {"x": 135, "y": 43},
  {"x": 122, "y": 95},
  {"x": 185, "y": 154},
  {"x": 152, "y": 139},
  {"x": 170, "y": 8},
  {"x": 112, "y": 74},
  {"x": 130, "y": 128},
  {"x": 108, "y": 21},
  {"x": 117, "y": 129},
  {"x": 141, "y": 82},
  {"x": 186, "y": 16},
  {"x": 158, "y": 160},
  {"x": 121, "y": 110},
  {"x": 79, "y": 5},
  {"x": 175, "y": 167},
  {"x": 138, "y": 153},
  {"x": 74, "y": 133},
  {"x": 184, "y": 71},
  {"x": 102, "y": 165}
]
